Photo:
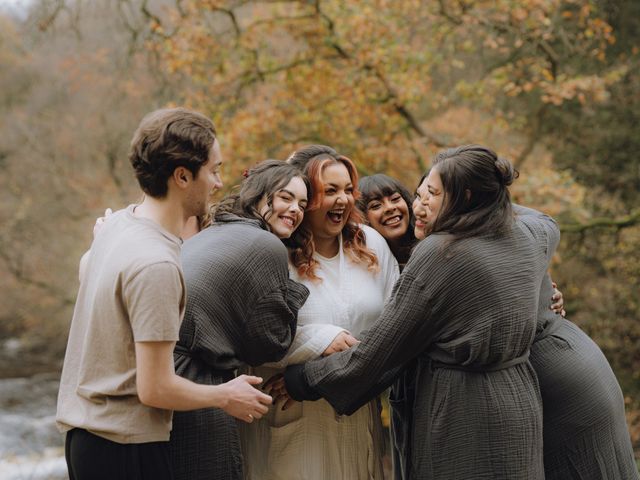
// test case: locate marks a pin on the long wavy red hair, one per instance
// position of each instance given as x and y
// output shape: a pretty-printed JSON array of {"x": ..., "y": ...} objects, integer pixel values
[{"x": 301, "y": 245}]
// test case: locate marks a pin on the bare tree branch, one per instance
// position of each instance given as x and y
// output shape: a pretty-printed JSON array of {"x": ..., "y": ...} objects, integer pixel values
[
  {"x": 125, "y": 18},
  {"x": 626, "y": 221},
  {"x": 535, "y": 133},
  {"x": 234, "y": 20},
  {"x": 46, "y": 22},
  {"x": 279, "y": 18},
  {"x": 420, "y": 162},
  {"x": 14, "y": 266},
  {"x": 444, "y": 11}
]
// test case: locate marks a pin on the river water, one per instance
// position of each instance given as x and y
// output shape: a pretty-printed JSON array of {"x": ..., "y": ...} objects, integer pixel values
[{"x": 31, "y": 448}]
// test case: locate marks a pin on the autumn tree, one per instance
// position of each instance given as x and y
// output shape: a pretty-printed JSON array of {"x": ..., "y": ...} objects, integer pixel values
[
  {"x": 71, "y": 93},
  {"x": 551, "y": 84}
]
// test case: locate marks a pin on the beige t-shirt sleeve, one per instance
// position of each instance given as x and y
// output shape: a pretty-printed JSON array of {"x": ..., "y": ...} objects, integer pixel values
[{"x": 155, "y": 301}]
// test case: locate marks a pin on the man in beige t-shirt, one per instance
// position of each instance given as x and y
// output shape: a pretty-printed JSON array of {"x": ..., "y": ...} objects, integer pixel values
[{"x": 118, "y": 385}]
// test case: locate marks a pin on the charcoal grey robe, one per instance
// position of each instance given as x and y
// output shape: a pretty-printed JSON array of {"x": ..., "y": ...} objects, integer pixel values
[
  {"x": 241, "y": 309},
  {"x": 460, "y": 322},
  {"x": 585, "y": 429}
]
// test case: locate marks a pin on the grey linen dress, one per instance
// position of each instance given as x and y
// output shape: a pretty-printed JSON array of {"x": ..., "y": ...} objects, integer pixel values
[
  {"x": 460, "y": 324},
  {"x": 241, "y": 309},
  {"x": 585, "y": 430}
]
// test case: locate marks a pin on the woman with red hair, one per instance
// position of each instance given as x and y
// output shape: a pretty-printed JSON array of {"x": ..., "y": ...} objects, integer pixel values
[{"x": 350, "y": 272}]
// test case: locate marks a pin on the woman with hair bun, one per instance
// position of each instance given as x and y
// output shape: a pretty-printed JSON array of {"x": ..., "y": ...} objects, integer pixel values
[
  {"x": 585, "y": 434},
  {"x": 456, "y": 331},
  {"x": 349, "y": 271}
]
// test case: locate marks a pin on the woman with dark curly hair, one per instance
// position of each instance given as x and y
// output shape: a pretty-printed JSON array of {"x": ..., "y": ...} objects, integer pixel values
[{"x": 241, "y": 309}]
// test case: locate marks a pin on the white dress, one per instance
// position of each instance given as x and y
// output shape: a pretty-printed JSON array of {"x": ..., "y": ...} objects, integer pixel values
[{"x": 309, "y": 440}]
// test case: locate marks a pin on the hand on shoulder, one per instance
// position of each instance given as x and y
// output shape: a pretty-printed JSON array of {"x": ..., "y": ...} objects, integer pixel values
[{"x": 100, "y": 221}]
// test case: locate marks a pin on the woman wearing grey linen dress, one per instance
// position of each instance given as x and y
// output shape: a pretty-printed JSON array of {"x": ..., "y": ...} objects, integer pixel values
[
  {"x": 241, "y": 309},
  {"x": 585, "y": 429},
  {"x": 585, "y": 434},
  {"x": 464, "y": 312}
]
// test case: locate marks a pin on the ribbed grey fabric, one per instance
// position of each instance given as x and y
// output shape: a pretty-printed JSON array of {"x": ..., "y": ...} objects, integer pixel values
[
  {"x": 585, "y": 430},
  {"x": 471, "y": 304},
  {"x": 241, "y": 308}
]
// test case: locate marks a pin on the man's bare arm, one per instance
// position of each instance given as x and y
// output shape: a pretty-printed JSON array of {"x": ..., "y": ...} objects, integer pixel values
[{"x": 160, "y": 387}]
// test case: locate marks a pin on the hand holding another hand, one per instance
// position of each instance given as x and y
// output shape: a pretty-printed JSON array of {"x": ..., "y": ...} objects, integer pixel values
[
  {"x": 245, "y": 402},
  {"x": 343, "y": 341},
  {"x": 276, "y": 387}
]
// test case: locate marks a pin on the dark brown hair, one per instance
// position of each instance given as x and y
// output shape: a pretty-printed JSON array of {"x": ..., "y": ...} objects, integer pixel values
[
  {"x": 378, "y": 186},
  {"x": 476, "y": 198},
  {"x": 312, "y": 160},
  {"x": 263, "y": 180},
  {"x": 165, "y": 140}
]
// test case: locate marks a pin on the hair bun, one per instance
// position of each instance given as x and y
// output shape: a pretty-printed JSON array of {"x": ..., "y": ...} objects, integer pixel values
[{"x": 506, "y": 171}]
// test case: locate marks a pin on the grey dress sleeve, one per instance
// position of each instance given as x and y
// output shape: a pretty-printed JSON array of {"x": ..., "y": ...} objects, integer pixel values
[
  {"x": 241, "y": 306},
  {"x": 431, "y": 303},
  {"x": 540, "y": 225},
  {"x": 404, "y": 330},
  {"x": 270, "y": 325}
]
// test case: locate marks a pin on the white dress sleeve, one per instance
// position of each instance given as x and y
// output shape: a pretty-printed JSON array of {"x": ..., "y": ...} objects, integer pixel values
[
  {"x": 309, "y": 343},
  {"x": 389, "y": 270},
  {"x": 82, "y": 269}
]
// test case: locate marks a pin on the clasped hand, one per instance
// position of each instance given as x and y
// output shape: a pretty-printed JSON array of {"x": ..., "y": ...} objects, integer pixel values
[{"x": 276, "y": 387}]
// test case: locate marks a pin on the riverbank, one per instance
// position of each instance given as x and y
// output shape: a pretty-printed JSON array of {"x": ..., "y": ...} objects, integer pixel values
[
  {"x": 30, "y": 445},
  {"x": 21, "y": 359}
]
